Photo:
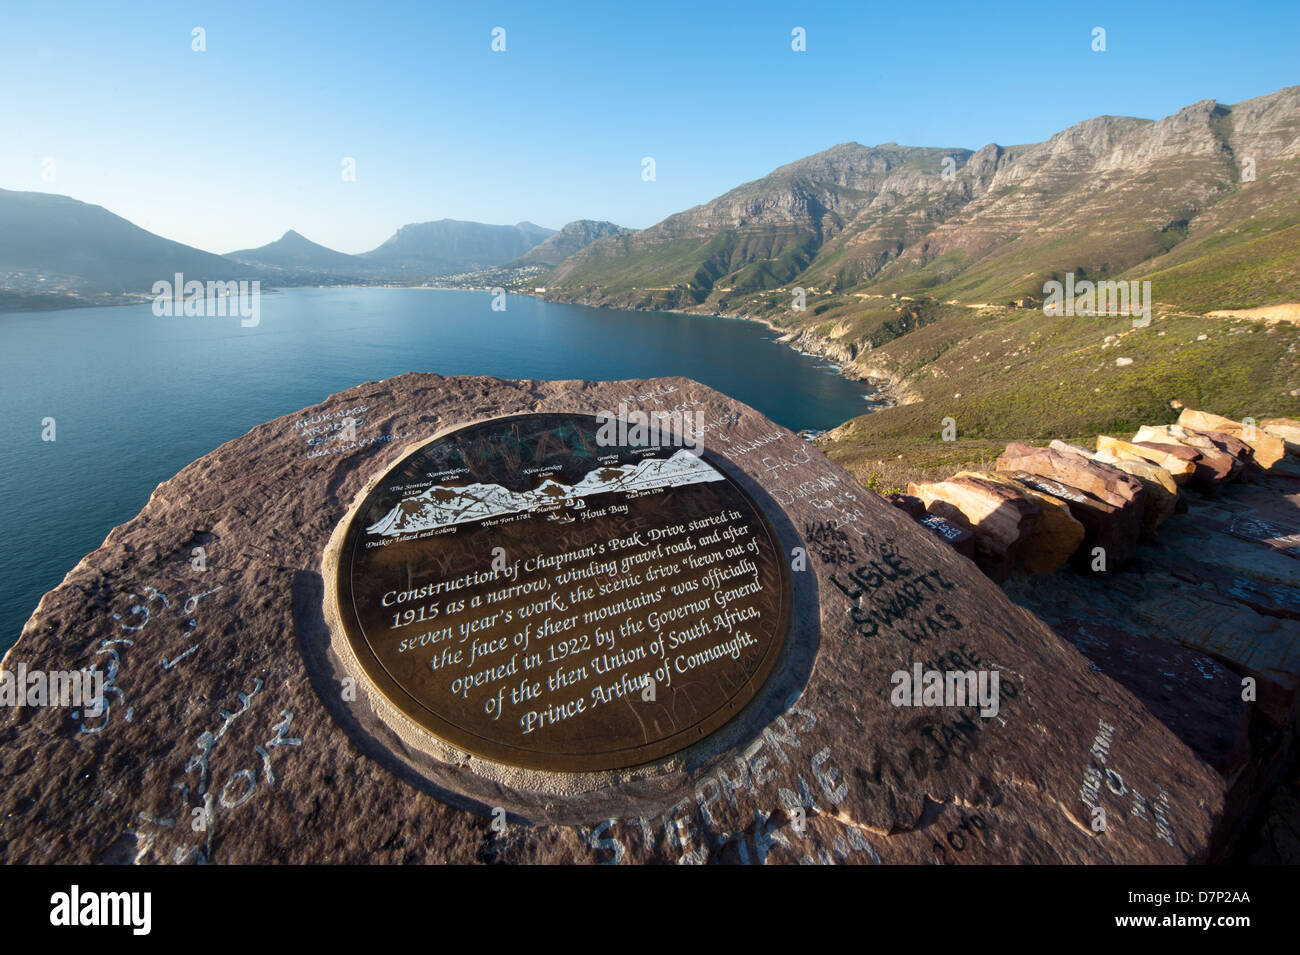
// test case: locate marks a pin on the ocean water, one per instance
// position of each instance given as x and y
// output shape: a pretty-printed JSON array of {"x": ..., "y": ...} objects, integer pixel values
[{"x": 135, "y": 397}]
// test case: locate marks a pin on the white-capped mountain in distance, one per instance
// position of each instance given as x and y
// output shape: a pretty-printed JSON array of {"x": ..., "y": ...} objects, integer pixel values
[{"x": 443, "y": 505}]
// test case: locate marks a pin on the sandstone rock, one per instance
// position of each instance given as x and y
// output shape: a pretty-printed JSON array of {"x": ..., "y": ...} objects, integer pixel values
[
  {"x": 1225, "y": 442},
  {"x": 913, "y": 507},
  {"x": 1215, "y": 465},
  {"x": 1055, "y": 537},
  {"x": 1207, "y": 474},
  {"x": 1207, "y": 421},
  {"x": 1113, "y": 529},
  {"x": 1288, "y": 429},
  {"x": 1283, "y": 538},
  {"x": 1237, "y": 542},
  {"x": 1258, "y": 646},
  {"x": 1100, "y": 480},
  {"x": 957, "y": 537},
  {"x": 1082, "y": 483},
  {"x": 1171, "y": 450},
  {"x": 227, "y": 695},
  {"x": 954, "y": 535},
  {"x": 1267, "y": 448},
  {"x": 999, "y": 517},
  {"x": 1221, "y": 583},
  {"x": 1179, "y": 468},
  {"x": 1228, "y": 444},
  {"x": 1162, "y": 491},
  {"x": 1271, "y": 600},
  {"x": 1067, "y": 448},
  {"x": 1194, "y": 695}
]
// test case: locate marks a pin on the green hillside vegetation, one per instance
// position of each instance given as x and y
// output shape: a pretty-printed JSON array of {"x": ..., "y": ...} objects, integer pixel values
[
  {"x": 1007, "y": 374},
  {"x": 1233, "y": 272}
]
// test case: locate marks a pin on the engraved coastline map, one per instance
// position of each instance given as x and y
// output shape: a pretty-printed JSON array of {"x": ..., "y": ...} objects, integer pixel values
[{"x": 443, "y": 505}]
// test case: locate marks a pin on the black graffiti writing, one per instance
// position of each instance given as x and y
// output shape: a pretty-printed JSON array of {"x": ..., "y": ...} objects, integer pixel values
[
  {"x": 829, "y": 543},
  {"x": 967, "y": 829}
]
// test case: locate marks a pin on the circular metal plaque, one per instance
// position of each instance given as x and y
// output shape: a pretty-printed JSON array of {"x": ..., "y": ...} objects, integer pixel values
[{"x": 532, "y": 593}]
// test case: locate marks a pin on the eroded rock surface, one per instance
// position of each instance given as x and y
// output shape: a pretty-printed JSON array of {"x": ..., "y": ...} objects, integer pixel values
[{"x": 229, "y": 739}]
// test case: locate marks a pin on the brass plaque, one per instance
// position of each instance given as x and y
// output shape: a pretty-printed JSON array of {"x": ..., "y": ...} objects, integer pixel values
[{"x": 538, "y": 598}]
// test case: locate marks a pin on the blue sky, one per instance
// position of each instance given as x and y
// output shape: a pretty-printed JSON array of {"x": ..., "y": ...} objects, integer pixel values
[{"x": 228, "y": 148}]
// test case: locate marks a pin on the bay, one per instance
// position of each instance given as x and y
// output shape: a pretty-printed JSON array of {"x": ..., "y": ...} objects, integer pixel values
[{"x": 135, "y": 397}]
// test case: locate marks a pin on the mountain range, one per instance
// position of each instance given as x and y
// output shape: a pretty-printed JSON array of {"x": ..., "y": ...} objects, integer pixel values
[
  {"x": 295, "y": 252},
  {"x": 56, "y": 251},
  {"x": 1186, "y": 201},
  {"x": 71, "y": 244},
  {"x": 1205, "y": 203},
  {"x": 572, "y": 238},
  {"x": 448, "y": 245},
  {"x": 417, "y": 251}
]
